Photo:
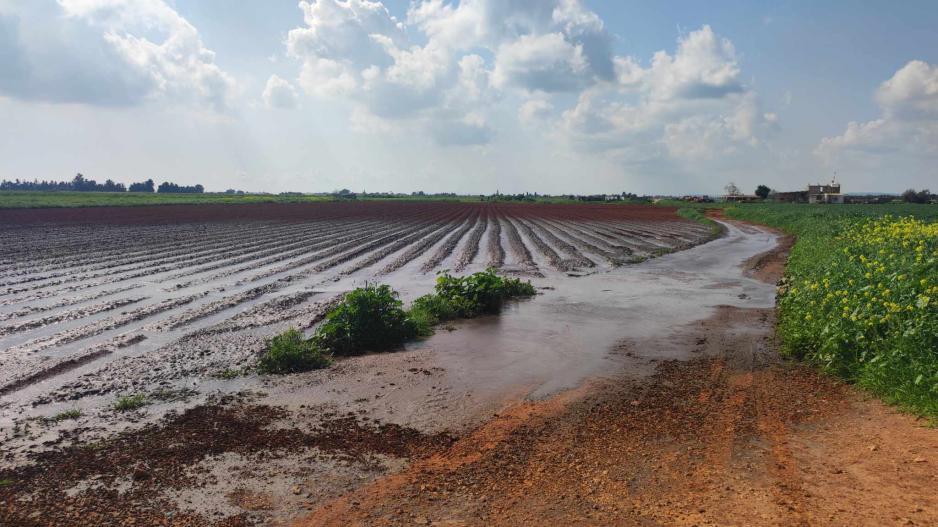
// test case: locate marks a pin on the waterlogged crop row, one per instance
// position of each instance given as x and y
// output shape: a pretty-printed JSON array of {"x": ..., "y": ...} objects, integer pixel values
[{"x": 860, "y": 300}]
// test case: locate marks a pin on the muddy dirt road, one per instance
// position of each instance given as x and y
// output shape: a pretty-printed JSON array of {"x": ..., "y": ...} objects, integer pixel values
[{"x": 639, "y": 394}]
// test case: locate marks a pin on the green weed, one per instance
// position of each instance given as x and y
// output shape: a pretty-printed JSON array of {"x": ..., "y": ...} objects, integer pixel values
[
  {"x": 290, "y": 352},
  {"x": 126, "y": 403}
]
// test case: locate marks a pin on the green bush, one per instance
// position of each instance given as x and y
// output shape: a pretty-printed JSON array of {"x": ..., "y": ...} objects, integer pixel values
[
  {"x": 289, "y": 352},
  {"x": 467, "y": 296},
  {"x": 370, "y": 318}
]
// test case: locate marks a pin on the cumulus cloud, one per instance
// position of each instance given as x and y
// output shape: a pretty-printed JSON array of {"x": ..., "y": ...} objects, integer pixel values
[
  {"x": 687, "y": 106},
  {"x": 431, "y": 72},
  {"x": 445, "y": 69},
  {"x": 129, "y": 52},
  {"x": 279, "y": 93},
  {"x": 907, "y": 130}
]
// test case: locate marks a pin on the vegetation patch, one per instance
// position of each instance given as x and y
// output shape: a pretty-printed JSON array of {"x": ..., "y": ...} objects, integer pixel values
[
  {"x": 697, "y": 214},
  {"x": 127, "y": 403},
  {"x": 372, "y": 318},
  {"x": 860, "y": 298},
  {"x": 65, "y": 415},
  {"x": 290, "y": 352},
  {"x": 466, "y": 297}
]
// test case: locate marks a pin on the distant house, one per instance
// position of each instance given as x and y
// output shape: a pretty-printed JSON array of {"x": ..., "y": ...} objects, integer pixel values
[
  {"x": 820, "y": 193},
  {"x": 825, "y": 193}
]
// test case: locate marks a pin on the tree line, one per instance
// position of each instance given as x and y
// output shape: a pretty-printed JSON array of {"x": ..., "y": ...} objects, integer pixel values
[{"x": 82, "y": 184}]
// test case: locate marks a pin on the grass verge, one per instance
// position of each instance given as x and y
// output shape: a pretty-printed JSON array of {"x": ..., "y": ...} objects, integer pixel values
[{"x": 859, "y": 298}]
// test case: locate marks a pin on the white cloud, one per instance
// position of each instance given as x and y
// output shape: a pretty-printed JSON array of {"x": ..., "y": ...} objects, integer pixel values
[
  {"x": 432, "y": 72},
  {"x": 687, "y": 106},
  {"x": 107, "y": 52},
  {"x": 535, "y": 110},
  {"x": 279, "y": 93},
  {"x": 912, "y": 93},
  {"x": 907, "y": 132},
  {"x": 446, "y": 70},
  {"x": 541, "y": 62},
  {"x": 704, "y": 66}
]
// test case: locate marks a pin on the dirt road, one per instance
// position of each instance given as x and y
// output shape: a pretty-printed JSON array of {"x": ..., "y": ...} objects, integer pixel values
[{"x": 734, "y": 437}]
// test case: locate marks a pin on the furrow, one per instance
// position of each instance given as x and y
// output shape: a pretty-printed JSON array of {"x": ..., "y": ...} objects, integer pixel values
[
  {"x": 449, "y": 245},
  {"x": 471, "y": 248},
  {"x": 73, "y": 314}
]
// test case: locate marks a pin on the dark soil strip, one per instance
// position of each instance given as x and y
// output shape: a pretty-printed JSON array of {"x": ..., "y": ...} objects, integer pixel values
[{"x": 161, "y": 456}]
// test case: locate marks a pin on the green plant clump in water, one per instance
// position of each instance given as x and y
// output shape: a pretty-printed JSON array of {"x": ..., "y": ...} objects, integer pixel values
[
  {"x": 466, "y": 297},
  {"x": 290, "y": 352},
  {"x": 370, "y": 318},
  {"x": 127, "y": 403}
]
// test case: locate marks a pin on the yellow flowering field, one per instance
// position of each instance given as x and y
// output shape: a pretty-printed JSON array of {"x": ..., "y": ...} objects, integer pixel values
[{"x": 860, "y": 300}]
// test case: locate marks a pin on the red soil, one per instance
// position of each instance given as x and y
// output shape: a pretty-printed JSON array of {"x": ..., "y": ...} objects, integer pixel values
[{"x": 318, "y": 211}]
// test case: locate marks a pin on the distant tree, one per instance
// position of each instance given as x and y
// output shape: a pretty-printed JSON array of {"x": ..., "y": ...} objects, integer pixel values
[
  {"x": 146, "y": 186},
  {"x": 911, "y": 196},
  {"x": 763, "y": 191},
  {"x": 167, "y": 187},
  {"x": 731, "y": 189}
]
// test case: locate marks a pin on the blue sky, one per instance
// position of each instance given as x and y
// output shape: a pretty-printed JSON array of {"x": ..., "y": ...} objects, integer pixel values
[{"x": 550, "y": 96}]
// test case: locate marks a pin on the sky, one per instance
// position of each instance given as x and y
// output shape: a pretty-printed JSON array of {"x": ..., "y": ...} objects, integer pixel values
[{"x": 472, "y": 96}]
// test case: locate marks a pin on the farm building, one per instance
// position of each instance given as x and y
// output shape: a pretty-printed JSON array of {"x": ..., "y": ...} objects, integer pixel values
[
  {"x": 825, "y": 193},
  {"x": 820, "y": 193}
]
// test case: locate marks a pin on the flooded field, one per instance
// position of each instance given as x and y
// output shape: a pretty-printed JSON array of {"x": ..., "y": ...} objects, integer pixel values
[{"x": 175, "y": 308}]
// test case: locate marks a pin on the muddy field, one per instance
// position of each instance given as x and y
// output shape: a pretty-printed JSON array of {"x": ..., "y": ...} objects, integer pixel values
[
  {"x": 173, "y": 304},
  {"x": 85, "y": 291}
]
